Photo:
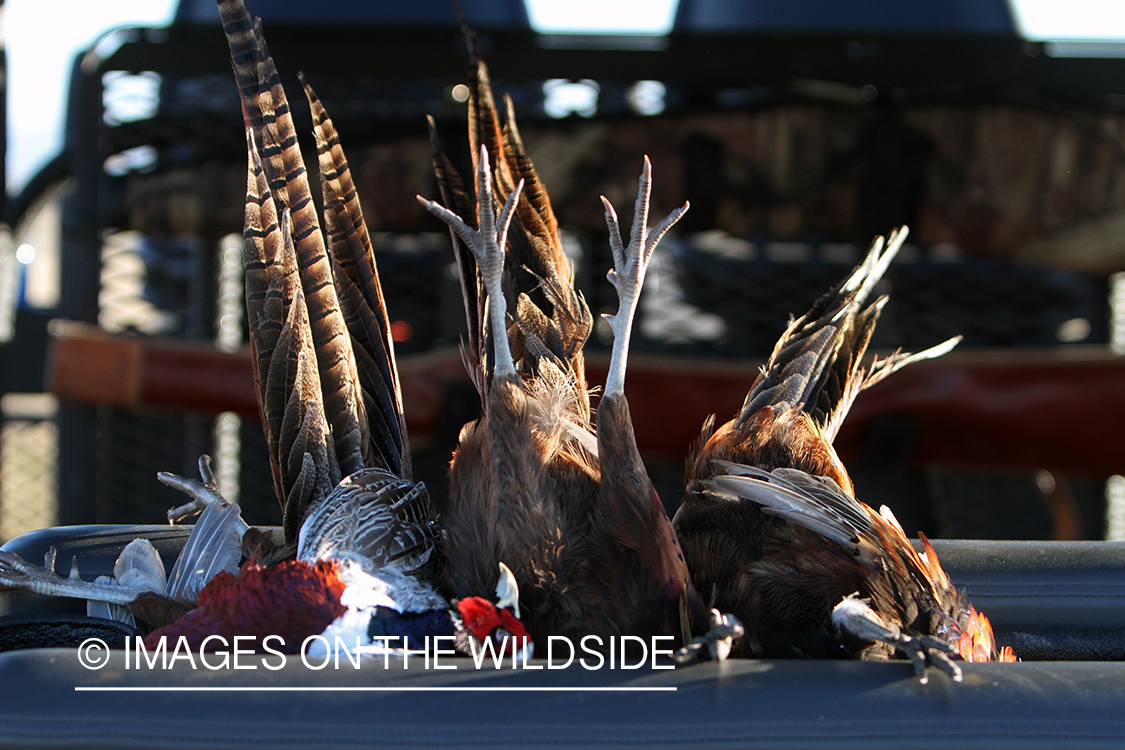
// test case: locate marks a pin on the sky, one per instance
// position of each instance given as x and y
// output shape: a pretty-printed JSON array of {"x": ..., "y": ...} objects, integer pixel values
[{"x": 39, "y": 68}]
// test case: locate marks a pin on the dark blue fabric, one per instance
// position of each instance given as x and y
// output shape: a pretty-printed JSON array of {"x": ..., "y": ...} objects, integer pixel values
[
  {"x": 853, "y": 16},
  {"x": 415, "y": 627}
]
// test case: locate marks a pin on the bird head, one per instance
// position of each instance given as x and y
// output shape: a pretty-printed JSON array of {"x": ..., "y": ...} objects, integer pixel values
[{"x": 483, "y": 619}]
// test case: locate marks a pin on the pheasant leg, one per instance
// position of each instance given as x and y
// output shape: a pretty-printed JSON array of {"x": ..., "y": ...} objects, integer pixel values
[
  {"x": 628, "y": 272},
  {"x": 487, "y": 246}
]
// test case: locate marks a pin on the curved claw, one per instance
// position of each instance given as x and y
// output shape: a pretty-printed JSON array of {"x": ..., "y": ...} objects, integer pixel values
[
  {"x": 205, "y": 470},
  {"x": 719, "y": 640},
  {"x": 927, "y": 651},
  {"x": 854, "y": 616},
  {"x": 203, "y": 493},
  {"x": 628, "y": 272}
]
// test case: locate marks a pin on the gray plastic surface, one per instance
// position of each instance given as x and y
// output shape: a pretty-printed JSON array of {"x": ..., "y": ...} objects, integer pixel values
[
  {"x": 783, "y": 704},
  {"x": 1051, "y": 600}
]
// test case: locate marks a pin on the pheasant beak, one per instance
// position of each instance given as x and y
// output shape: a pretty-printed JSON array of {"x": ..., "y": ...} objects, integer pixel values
[{"x": 508, "y": 591}]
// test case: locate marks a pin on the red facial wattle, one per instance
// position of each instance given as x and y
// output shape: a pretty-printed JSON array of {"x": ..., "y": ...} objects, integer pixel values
[
  {"x": 513, "y": 627},
  {"x": 483, "y": 619}
]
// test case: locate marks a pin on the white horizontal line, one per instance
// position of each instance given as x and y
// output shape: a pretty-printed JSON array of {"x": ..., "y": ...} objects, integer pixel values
[{"x": 371, "y": 689}]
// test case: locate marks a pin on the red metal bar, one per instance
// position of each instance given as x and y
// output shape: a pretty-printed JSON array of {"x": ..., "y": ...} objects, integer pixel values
[{"x": 1059, "y": 409}]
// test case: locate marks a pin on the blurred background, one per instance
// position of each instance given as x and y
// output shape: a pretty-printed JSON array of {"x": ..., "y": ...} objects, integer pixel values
[{"x": 797, "y": 130}]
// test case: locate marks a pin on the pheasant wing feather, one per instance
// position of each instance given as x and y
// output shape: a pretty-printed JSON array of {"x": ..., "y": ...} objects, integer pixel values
[{"x": 214, "y": 545}]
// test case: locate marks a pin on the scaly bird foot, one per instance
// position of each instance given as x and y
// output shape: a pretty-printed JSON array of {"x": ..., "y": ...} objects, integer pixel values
[
  {"x": 203, "y": 493},
  {"x": 855, "y": 617},
  {"x": 487, "y": 246},
  {"x": 628, "y": 272},
  {"x": 17, "y": 573},
  {"x": 719, "y": 640}
]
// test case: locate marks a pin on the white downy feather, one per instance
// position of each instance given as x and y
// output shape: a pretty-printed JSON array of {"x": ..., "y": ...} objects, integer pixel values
[{"x": 138, "y": 566}]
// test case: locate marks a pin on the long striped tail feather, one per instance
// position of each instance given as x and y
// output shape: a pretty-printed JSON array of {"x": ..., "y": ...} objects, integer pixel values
[
  {"x": 361, "y": 300},
  {"x": 269, "y": 118}
]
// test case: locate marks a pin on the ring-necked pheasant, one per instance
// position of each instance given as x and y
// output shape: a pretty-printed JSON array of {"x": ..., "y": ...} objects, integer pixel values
[
  {"x": 569, "y": 507},
  {"x": 368, "y": 550},
  {"x": 770, "y": 525}
]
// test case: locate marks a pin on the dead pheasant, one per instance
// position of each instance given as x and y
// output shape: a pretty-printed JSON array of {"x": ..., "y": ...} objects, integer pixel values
[
  {"x": 569, "y": 507},
  {"x": 770, "y": 523},
  {"x": 364, "y": 534}
]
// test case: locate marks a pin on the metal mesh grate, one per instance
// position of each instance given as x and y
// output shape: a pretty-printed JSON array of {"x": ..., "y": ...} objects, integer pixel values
[
  {"x": 934, "y": 295},
  {"x": 1115, "y": 509},
  {"x": 122, "y": 303},
  {"x": 132, "y": 448},
  {"x": 412, "y": 270},
  {"x": 28, "y": 457},
  {"x": 256, "y": 494},
  {"x": 149, "y": 286}
]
